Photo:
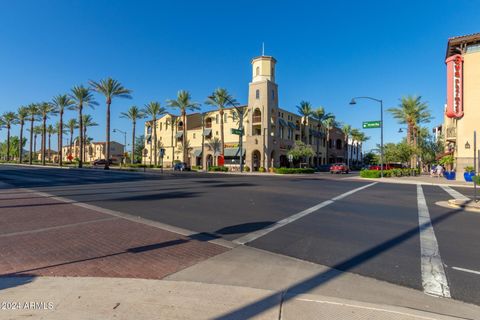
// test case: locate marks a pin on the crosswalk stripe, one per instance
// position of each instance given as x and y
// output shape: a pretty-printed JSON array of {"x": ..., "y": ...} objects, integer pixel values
[
  {"x": 434, "y": 279},
  {"x": 454, "y": 193}
]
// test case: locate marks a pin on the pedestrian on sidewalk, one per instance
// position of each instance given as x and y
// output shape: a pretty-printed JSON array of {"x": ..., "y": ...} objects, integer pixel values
[{"x": 439, "y": 170}]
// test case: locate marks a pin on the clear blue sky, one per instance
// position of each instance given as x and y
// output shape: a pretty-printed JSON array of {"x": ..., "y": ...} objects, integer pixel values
[{"x": 327, "y": 52}]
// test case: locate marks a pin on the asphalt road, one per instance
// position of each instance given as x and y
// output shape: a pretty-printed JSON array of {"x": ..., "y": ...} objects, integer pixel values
[{"x": 372, "y": 232}]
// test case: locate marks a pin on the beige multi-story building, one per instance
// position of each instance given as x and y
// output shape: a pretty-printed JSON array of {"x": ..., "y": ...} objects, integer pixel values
[
  {"x": 270, "y": 132},
  {"x": 94, "y": 151},
  {"x": 461, "y": 116}
]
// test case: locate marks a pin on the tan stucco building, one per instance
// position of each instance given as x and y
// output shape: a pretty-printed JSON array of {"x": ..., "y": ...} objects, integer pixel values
[
  {"x": 462, "y": 115},
  {"x": 270, "y": 132},
  {"x": 94, "y": 151}
]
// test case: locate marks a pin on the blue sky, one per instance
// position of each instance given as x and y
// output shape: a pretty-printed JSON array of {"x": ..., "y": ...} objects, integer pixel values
[{"x": 327, "y": 52}]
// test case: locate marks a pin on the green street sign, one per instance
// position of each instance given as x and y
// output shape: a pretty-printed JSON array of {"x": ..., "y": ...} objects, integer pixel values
[
  {"x": 237, "y": 131},
  {"x": 371, "y": 124}
]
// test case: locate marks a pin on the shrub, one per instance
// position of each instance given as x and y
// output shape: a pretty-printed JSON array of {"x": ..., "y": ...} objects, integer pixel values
[
  {"x": 476, "y": 179},
  {"x": 217, "y": 168},
  {"x": 261, "y": 169},
  {"x": 196, "y": 168},
  {"x": 284, "y": 170},
  {"x": 469, "y": 169},
  {"x": 246, "y": 168}
]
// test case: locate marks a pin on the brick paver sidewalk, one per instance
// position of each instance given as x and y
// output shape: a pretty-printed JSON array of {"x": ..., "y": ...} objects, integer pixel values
[{"x": 42, "y": 236}]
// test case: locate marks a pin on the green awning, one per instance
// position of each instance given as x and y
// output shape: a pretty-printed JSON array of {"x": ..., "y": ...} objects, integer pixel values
[
  {"x": 283, "y": 123},
  {"x": 197, "y": 152},
  {"x": 292, "y": 125},
  {"x": 233, "y": 152},
  {"x": 179, "y": 134}
]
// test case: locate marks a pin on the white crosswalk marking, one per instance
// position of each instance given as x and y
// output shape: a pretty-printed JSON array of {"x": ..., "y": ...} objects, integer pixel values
[
  {"x": 434, "y": 280},
  {"x": 454, "y": 193}
]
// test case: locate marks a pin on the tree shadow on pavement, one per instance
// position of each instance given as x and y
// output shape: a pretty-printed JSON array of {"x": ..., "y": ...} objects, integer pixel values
[
  {"x": 15, "y": 281},
  {"x": 255, "y": 308}
]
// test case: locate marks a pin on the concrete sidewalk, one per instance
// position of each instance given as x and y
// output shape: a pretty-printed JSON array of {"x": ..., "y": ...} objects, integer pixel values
[
  {"x": 422, "y": 179},
  {"x": 244, "y": 283}
]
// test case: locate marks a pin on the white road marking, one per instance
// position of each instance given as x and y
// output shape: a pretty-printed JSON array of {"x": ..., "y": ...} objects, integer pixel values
[
  {"x": 434, "y": 279},
  {"x": 260, "y": 233},
  {"x": 466, "y": 270},
  {"x": 454, "y": 193}
]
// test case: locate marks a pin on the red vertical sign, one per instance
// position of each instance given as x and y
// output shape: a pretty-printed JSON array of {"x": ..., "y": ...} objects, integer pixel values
[{"x": 454, "y": 86}]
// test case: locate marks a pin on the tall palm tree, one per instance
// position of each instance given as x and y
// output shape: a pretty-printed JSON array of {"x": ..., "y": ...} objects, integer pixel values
[
  {"x": 60, "y": 130},
  {"x": 220, "y": 98},
  {"x": 61, "y": 102},
  {"x": 22, "y": 116},
  {"x": 133, "y": 114},
  {"x": 305, "y": 109},
  {"x": 33, "y": 114},
  {"x": 347, "y": 130},
  {"x": 411, "y": 111},
  {"x": 154, "y": 110},
  {"x": 215, "y": 145},
  {"x": 82, "y": 97},
  {"x": 183, "y": 103},
  {"x": 110, "y": 88},
  {"x": 87, "y": 122},
  {"x": 37, "y": 130},
  {"x": 329, "y": 124},
  {"x": 72, "y": 124},
  {"x": 320, "y": 116},
  {"x": 50, "y": 130},
  {"x": 173, "y": 123},
  {"x": 9, "y": 119},
  {"x": 45, "y": 109}
]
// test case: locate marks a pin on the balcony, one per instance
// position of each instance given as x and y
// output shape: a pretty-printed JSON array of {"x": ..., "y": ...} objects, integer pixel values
[
  {"x": 451, "y": 134},
  {"x": 256, "y": 119}
]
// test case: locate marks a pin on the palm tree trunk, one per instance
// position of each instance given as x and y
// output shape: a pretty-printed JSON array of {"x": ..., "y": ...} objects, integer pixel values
[
  {"x": 318, "y": 146},
  {"x": 44, "y": 137},
  {"x": 31, "y": 141},
  {"x": 173, "y": 144},
  {"x": 203, "y": 143},
  {"x": 184, "y": 117},
  {"x": 327, "y": 146},
  {"x": 346, "y": 148},
  {"x": 20, "y": 151},
  {"x": 222, "y": 134},
  {"x": 107, "y": 144},
  {"x": 49, "y": 149},
  {"x": 60, "y": 140},
  {"x": 84, "y": 143},
  {"x": 80, "y": 131},
  {"x": 155, "y": 141},
  {"x": 132, "y": 160},
  {"x": 8, "y": 143}
]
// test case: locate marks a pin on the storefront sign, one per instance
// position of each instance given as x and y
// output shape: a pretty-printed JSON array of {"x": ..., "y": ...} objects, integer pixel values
[{"x": 454, "y": 86}]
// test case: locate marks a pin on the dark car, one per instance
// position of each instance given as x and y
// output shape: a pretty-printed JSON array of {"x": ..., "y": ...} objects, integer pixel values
[
  {"x": 339, "y": 168},
  {"x": 101, "y": 162},
  {"x": 181, "y": 166}
]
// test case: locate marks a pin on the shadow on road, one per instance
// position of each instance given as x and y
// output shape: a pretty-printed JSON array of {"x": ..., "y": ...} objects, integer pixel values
[{"x": 11, "y": 282}]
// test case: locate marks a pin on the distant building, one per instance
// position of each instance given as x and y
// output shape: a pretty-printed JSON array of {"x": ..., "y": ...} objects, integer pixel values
[
  {"x": 50, "y": 155},
  {"x": 94, "y": 151}
]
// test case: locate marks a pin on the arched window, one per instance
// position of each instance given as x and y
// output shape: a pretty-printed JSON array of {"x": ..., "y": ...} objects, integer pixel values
[
  {"x": 257, "y": 116},
  {"x": 338, "y": 144},
  {"x": 257, "y": 71},
  {"x": 208, "y": 123},
  {"x": 180, "y": 125},
  {"x": 257, "y": 94}
]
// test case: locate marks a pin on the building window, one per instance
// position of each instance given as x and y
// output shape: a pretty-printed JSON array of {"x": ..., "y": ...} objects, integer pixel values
[
  {"x": 160, "y": 126},
  {"x": 257, "y": 71},
  {"x": 280, "y": 132},
  {"x": 338, "y": 144},
  {"x": 216, "y": 119},
  {"x": 257, "y": 94},
  {"x": 225, "y": 117},
  {"x": 273, "y": 94},
  {"x": 194, "y": 135}
]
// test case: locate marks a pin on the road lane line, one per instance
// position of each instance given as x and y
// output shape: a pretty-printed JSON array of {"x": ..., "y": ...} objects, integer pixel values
[
  {"x": 260, "y": 233},
  {"x": 434, "y": 279},
  {"x": 466, "y": 270},
  {"x": 454, "y": 193}
]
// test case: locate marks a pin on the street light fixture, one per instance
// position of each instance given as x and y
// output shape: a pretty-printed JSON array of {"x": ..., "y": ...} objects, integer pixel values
[{"x": 353, "y": 102}]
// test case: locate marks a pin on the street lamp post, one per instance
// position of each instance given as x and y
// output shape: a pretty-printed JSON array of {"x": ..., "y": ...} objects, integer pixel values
[
  {"x": 124, "y": 141},
  {"x": 353, "y": 102}
]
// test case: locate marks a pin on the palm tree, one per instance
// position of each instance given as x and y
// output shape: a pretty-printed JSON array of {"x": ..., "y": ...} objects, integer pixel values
[
  {"x": 9, "y": 119},
  {"x": 110, "y": 88},
  {"x": 82, "y": 97},
  {"x": 215, "y": 145},
  {"x": 37, "y": 130},
  {"x": 154, "y": 110},
  {"x": 411, "y": 111},
  {"x": 220, "y": 98},
  {"x": 61, "y": 102},
  {"x": 184, "y": 103},
  {"x": 33, "y": 114},
  {"x": 87, "y": 122},
  {"x": 45, "y": 109},
  {"x": 22, "y": 115},
  {"x": 305, "y": 109},
  {"x": 72, "y": 124},
  {"x": 320, "y": 116},
  {"x": 60, "y": 130},
  {"x": 50, "y": 130},
  {"x": 134, "y": 113},
  {"x": 329, "y": 124},
  {"x": 347, "y": 130},
  {"x": 173, "y": 123}
]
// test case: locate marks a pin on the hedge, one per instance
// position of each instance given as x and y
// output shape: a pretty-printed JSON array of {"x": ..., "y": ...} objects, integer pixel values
[
  {"x": 294, "y": 170},
  {"x": 217, "y": 168},
  {"x": 389, "y": 173}
]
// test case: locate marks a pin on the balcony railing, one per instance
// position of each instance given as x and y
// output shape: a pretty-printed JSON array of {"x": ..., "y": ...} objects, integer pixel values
[
  {"x": 257, "y": 119},
  {"x": 451, "y": 133}
]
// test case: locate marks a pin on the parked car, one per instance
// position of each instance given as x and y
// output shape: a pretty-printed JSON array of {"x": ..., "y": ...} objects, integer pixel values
[
  {"x": 339, "y": 168},
  {"x": 323, "y": 168},
  {"x": 101, "y": 162},
  {"x": 181, "y": 166}
]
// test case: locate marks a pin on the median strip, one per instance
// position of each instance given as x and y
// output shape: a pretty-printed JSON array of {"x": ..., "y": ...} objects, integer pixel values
[{"x": 260, "y": 233}]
